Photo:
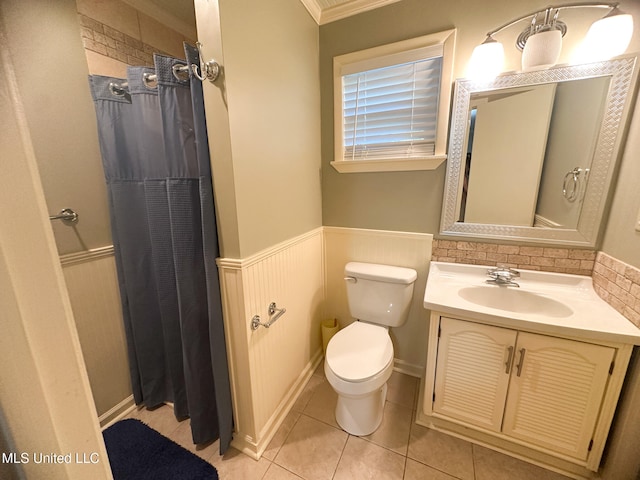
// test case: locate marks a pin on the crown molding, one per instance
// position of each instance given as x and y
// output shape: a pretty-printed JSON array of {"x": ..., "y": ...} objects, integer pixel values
[
  {"x": 354, "y": 7},
  {"x": 337, "y": 12},
  {"x": 313, "y": 8}
]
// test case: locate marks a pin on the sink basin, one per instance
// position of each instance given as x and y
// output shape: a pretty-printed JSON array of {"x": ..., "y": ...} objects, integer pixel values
[
  {"x": 514, "y": 300},
  {"x": 553, "y": 303}
]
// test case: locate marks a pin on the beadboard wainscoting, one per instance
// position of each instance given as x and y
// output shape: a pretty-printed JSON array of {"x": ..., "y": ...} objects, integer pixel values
[
  {"x": 92, "y": 284},
  {"x": 270, "y": 366},
  {"x": 403, "y": 249}
]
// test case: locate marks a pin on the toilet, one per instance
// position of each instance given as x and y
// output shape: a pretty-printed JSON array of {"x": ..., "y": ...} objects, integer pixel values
[{"x": 359, "y": 358}]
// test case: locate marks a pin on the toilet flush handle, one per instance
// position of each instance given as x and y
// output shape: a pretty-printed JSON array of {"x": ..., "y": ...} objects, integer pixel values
[{"x": 351, "y": 279}]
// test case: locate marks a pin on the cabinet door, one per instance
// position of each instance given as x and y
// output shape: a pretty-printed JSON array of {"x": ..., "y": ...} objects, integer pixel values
[
  {"x": 472, "y": 372},
  {"x": 555, "y": 392}
]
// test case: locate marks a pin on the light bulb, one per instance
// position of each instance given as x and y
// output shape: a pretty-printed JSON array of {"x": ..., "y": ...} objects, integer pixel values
[
  {"x": 486, "y": 61},
  {"x": 606, "y": 38}
]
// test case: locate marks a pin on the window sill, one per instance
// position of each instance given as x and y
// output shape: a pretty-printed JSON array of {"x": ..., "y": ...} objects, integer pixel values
[{"x": 403, "y": 165}]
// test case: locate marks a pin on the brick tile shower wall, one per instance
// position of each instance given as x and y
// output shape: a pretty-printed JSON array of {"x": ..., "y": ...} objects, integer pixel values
[{"x": 102, "y": 39}]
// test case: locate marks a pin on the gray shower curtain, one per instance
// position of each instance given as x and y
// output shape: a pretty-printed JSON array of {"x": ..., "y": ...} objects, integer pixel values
[{"x": 156, "y": 163}]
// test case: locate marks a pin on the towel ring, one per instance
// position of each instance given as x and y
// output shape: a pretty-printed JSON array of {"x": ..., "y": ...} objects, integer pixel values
[{"x": 570, "y": 184}]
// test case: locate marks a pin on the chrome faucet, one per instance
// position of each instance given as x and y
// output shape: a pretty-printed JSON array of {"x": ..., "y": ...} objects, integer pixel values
[{"x": 503, "y": 275}]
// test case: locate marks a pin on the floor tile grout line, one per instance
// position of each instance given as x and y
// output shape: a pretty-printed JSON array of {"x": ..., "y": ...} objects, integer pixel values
[
  {"x": 363, "y": 438},
  {"x": 390, "y": 449},
  {"x": 333, "y": 475},
  {"x": 321, "y": 421},
  {"x": 413, "y": 425},
  {"x": 284, "y": 468},
  {"x": 404, "y": 468},
  {"x": 473, "y": 460},
  {"x": 285, "y": 441},
  {"x": 437, "y": 469}
]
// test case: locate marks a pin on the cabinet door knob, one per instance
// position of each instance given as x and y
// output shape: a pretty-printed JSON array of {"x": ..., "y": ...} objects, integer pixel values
[
  {"x": 509, "y": 360},
  {"x": 520, "y": 362}
]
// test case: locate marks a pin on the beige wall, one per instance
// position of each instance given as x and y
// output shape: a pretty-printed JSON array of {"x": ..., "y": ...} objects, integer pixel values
[
  {"x": 266, "y": 118},
  {"x": 93, "y": 290},
  {"x": 412, "y": 201},
  {"x": 621, "y": 240},
  {"x": 52, "y": 73},
  {"x": 44, "y": 393},
  {"x": 58, "y": 103}
]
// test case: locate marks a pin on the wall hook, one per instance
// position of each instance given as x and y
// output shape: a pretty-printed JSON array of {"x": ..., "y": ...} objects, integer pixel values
[{"x": 210, "y": 70}]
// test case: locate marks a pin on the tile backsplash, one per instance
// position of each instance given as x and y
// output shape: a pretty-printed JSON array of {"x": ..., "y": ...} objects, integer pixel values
[
  {"x": 618, "y": 284},
  {"x": 550, "y": 259}
]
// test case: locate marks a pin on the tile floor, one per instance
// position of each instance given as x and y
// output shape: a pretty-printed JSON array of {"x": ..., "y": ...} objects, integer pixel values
[{"x": 311, "y": 446}]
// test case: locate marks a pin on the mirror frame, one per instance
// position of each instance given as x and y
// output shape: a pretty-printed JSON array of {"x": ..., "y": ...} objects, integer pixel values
[{"x": 607, "y": 150}]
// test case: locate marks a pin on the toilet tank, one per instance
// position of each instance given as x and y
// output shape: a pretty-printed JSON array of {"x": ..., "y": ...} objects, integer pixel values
[{"x": 379, "y": 294}]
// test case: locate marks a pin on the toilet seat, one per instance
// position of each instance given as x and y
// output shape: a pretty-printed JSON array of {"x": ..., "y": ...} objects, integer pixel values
[{"x": 359, "y": 352}]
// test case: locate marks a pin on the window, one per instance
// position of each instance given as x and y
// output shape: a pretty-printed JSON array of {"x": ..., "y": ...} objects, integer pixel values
[{"x": 391, "y": 105}]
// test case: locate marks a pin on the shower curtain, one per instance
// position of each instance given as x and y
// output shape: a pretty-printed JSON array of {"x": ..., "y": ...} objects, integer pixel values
[{"x": 155, "y": 156}]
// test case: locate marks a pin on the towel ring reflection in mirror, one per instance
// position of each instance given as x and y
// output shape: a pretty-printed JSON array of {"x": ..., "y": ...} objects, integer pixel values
[{"x": 571, "y": 183}]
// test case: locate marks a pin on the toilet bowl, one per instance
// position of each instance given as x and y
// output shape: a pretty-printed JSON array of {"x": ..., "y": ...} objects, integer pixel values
[
  {"x": 359, "y": 358},
  {"x": 358, "y": 363}
]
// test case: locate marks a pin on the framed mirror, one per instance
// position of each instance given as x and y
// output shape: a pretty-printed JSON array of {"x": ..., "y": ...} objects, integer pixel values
[{"x": 532, "y": 155}]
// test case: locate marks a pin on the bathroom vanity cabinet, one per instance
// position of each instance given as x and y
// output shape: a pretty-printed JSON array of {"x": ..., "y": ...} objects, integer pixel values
[
  {"x": 532, "y": 369},
  {"x": 545, "y": 397}
]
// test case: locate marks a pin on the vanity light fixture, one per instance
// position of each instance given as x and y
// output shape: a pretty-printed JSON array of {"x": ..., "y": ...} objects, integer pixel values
[
  {"x": 487, "y": 60},
  {"x": 541, "y": 42}
]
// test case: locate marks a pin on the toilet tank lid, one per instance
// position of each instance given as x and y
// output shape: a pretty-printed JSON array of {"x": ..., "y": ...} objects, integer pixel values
[{"x": 381, "y": 273}]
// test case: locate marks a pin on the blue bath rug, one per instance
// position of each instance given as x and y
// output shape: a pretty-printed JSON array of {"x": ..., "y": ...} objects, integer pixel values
[{"x": 137, "y": 452}]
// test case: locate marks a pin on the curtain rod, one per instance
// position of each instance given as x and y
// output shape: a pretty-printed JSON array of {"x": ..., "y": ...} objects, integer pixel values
[{"x": 210, "y": 71}]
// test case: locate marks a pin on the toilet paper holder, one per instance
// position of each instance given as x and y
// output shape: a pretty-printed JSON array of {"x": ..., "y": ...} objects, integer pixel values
[{"x": 274, "y": 314}]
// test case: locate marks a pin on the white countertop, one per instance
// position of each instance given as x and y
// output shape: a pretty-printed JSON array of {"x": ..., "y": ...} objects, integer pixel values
[{"x": 554, "y": 303}]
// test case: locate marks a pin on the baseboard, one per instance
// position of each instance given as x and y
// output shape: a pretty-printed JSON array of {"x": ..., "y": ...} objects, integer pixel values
[
  {"x": 408, "y": 368},
  {"x": 116, "y": 413},
  {"x": 255, "y": 448}
]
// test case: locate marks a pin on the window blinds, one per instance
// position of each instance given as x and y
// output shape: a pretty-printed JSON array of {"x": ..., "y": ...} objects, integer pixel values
[{"x": 391, "y": 112}]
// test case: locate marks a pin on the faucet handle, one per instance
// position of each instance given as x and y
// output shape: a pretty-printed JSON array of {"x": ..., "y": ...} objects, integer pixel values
[
  {"x": 512, "y": 272},
  {"x": 503, "y": 273},
  {"x": 501, "y": 268}
]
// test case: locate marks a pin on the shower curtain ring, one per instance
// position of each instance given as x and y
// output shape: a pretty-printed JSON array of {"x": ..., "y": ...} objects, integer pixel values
[
  {"x": 210, "y": 70},
  {"x": 150, "y": 80}
]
